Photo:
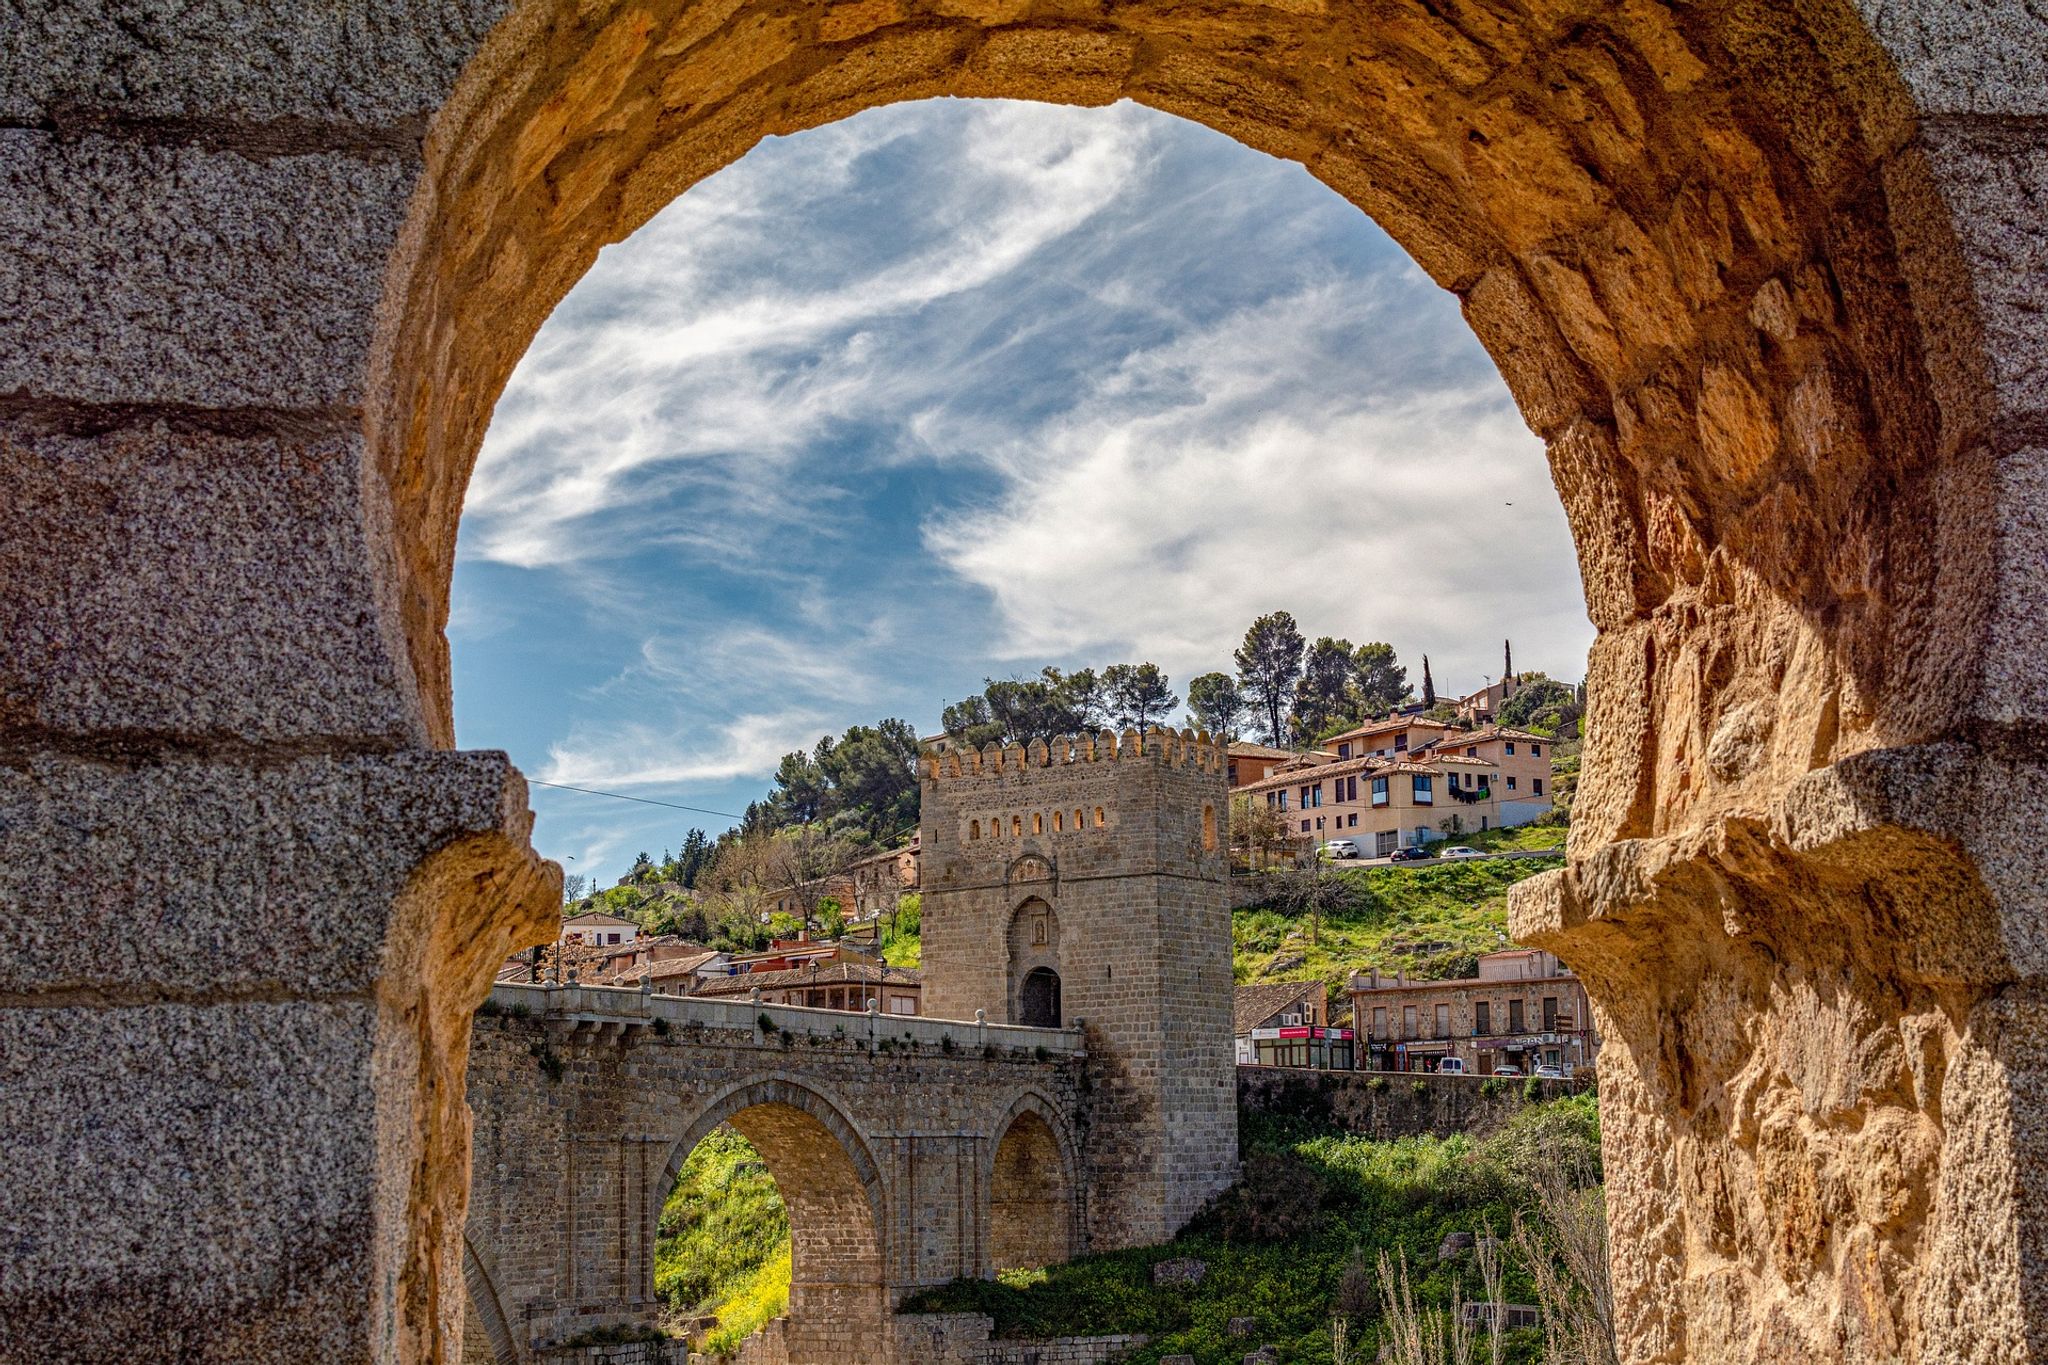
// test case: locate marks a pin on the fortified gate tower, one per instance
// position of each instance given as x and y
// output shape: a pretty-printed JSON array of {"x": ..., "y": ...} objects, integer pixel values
[{"x": 1084, "y": 884}]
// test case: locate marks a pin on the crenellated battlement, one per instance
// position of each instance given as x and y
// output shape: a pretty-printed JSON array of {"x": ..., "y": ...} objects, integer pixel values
[{"x": 1194, "y": 749}]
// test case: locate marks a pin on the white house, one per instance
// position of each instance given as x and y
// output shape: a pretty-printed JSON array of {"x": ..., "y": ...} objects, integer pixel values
[{"x": 599, "y": 929}]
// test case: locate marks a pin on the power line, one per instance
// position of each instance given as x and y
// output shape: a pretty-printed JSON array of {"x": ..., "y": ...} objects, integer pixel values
[{"x": 643, "y": 800}]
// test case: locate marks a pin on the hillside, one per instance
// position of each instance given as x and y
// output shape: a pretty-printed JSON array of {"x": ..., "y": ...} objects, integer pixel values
[
  {"x": 1430, "y": 921},
  {"x": 1295, "y": 1247}
]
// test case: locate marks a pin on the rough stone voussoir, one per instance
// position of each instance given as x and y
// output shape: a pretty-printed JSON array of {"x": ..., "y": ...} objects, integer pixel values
[
  {"x": 140, "y": 274},
  {"x": 174, "y": 879},
  {"x": 197, "y": 589}
]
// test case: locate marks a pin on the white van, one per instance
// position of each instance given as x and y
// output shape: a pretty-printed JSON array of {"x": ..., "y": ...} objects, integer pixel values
[{"x": 1451, "y": 1066}]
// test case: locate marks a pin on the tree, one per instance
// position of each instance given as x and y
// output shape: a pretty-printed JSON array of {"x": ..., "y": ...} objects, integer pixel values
[
  {"x": 1215, "y": 704},
  {"x": 801, "y": 786},
  {"x": 1082, "y": 698},
  {"x": 831, "y": 917},
  {"x": 1268, "y": 665},
  {"x": 971, "y": 723},
  {"x": 1541, "y": 704},
  {"x": 1138, "y": 693},
  {"x": 1323, "y": 693},
  {"x": 696, "y": 854},
  {"x": 1428, "y": 686},
  {"x": 1257, "y": 833},
  {"x": 1381, "y": 681},
  {"x": 1507, "y": 666},
  {"x": 572, "y": 887}
]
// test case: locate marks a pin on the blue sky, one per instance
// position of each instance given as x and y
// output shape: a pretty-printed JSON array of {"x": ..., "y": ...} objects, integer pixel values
[{"x": 956, "y": 389}]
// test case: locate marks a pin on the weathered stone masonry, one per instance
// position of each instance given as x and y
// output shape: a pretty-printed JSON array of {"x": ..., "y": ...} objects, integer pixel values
[
  {"x": 1110, "y": 845},
  {"x": 1766, "y": 278},
  {"x": 909, "y": 1151}
]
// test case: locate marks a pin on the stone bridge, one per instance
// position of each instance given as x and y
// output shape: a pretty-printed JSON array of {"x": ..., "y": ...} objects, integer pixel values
[{"x": 908, "y": 1150}]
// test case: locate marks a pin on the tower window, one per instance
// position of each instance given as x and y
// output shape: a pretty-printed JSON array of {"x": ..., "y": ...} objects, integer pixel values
[
  {"x": 1099, "y": 822},
  {"x": 974, "y": 829}
]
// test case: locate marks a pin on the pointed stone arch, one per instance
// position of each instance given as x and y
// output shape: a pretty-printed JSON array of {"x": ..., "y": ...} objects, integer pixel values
[{"x": 1033, "y": 1178}]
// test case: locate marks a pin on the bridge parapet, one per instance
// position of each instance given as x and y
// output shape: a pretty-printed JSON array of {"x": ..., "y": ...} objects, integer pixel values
[{"x": 628, "y": 1007}]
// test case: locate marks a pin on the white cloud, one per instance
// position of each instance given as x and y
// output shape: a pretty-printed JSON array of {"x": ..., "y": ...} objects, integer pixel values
[
  {"x": 639, "y": 754},
  {"x": 692, "y": 346},
  {"x": 1256, "y": 465}
]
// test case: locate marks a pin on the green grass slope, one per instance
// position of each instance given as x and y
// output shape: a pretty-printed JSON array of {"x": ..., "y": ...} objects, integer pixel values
[
  {"x": 722, "y": 1247},
  {"x": 1429, "y": 920}
]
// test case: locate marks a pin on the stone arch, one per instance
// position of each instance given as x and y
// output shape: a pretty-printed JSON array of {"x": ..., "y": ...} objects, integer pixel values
[
  {"x": 487, "y": 1337},
  {"x": 1032, "y": 940},
  {"x": 830, "y": 1183},
  {"x": 1034, "y": 1190},
  {"x": 1759, "y": 274}
]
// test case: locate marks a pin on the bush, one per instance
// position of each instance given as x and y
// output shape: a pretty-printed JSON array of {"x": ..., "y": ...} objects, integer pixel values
[
  {"x": 1280, "y": 1199},
  {"x": 1532, "y": 1090}
]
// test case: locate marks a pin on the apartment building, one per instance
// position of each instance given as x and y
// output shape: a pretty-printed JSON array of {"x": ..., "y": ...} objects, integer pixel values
[
  {"x": 1382, "y": 804},
  {"x": 1521, "y": 758},
  {"x": 1523, "y": 1010},
  {"x": 1391, "y": 737}
]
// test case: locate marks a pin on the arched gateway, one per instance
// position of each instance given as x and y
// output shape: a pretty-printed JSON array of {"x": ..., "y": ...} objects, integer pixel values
[{"x": 1766, "y": 277}]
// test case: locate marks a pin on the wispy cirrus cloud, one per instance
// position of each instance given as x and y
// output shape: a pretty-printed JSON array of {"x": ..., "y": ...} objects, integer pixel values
[{"x": 957, "y": 389}]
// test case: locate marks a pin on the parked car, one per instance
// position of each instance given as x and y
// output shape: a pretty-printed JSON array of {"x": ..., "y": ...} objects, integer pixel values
[
  {"x": 1341, "y": 848},
  {"x": 1451, "y": 1066},
  {"x": 1547, "y": 1073},
  {"x": 1507, "y": 1071},
  {"x": 1460, "y": 851},
  {"x": 1408, "y": 855}
]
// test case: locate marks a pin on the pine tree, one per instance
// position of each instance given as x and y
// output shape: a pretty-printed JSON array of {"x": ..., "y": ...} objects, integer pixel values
[
  {"x": 1507, "y": 667},
  {"x": 1428, "y": 685}
]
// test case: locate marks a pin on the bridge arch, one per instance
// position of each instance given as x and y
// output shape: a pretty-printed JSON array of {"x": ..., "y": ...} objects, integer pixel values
[
  {"x": 1033, "y": 1179},
  {"x": 487, "y": 1336},
  {"x": 829, "y": 1182}
]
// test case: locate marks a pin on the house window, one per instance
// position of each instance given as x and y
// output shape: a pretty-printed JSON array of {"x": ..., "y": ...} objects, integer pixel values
[
  {"x": 1536, "y": 784},
  {"x": 611, "y": 938},
  {"x": 1424, "y": 788},
  {"x": 902, "y": 1004},
  {"x": 1511, "y": 748},
  {"x": 1515, "y": 1020},
  {"x": 1353, "y": 820},
  {"x": 1343, "y": 751},
  {"x": 1549, "y": 1014},
  {"x": 1443, "y": 1022},
  {"x": 1379, "y": 791},
  {"x": 1282, "y": 794},
  {"x": 1535, "y": 751},
  {"x": 1408, "y": 1021},
  {"x": 1304, "y": 827},
  {"x": 1511, "y": 783},
  {"x": 1482, "y": 1019},
  {"x": 1379, "y": 1021}
]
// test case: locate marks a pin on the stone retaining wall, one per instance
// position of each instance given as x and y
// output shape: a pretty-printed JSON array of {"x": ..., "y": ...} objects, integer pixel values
[
  {"x": 963, "y": 1339},
  {"x": 1384, "y": 1104}
]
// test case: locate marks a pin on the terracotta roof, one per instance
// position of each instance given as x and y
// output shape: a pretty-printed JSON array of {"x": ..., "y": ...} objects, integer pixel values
[
  {"x": 1483, "y": 735},
  {"x": 1252, "y": 1006},
  {"x": 826, "y": 974},
  {"x": 1388, "y": 727},
  {"x": 1463, "y": 761},
  {"x": 1342, "y": 767},
  {"x": 669, "y": 968},
  {"x": 1246, "y": 749},
  {"x": 599, "y": 917}
]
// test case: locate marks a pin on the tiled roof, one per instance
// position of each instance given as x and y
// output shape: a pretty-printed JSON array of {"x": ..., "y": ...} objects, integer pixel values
[
  {"x": 825, "y": 974},
  {"x": 1246, "y": 749},
  {"x": 598, "y": 917},
  {"x": 1342, "y": 767},
  {"x": 1252, "y": 1006}
]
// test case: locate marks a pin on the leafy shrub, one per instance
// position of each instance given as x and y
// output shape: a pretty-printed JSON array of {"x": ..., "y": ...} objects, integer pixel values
[{"x": 1279, "y": 1199}]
